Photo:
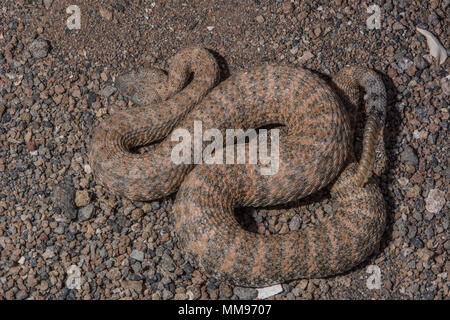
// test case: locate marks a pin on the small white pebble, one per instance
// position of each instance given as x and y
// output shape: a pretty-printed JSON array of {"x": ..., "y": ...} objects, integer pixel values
[
  {"x": 21, "y": 260},
  {"x": 190, "y": 295},
  {"x": 210, "y": 28},
  {"x": 87, "y": 168},
  {"x": 267, "y": 292},
  {"x": 435, "y": 200},
  {"x": 403, "y": 181}
]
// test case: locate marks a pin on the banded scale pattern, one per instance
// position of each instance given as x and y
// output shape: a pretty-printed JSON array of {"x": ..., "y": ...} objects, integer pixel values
[
  {"x": 315, "y": 147},
  {"x": 213, "y": 240}
]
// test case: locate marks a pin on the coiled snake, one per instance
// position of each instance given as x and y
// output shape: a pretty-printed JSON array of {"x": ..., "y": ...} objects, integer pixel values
[{"x": 316, "y": 150}]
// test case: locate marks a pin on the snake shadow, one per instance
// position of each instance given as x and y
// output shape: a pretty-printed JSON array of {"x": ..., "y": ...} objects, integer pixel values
[
  {"x": 223, "y": 65},
  {"x": 384, "y": 179}
]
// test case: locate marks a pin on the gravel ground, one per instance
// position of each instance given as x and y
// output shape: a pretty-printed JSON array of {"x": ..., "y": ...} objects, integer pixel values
[{"x": 57, "y": 224}]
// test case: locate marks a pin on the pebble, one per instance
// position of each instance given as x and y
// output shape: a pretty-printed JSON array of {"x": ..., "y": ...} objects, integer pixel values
[
  {"x": 435, "y": 201},
  {"x": 106, "y": 14},
  {"x": 225, "y": 291},
  {"x": 307, "y": 55},
  {"x": 445, "y": 85},
  {"x": 85, "y": 213},
  {"x": 82, "y": 198},
  {"x": 245, "y": 293},
  {"x": 403, "y": 64},
  {"x": 59, "y": 89},
  {"x": 260, "y": 19},
  {"x": 137, "y": 255},
  {"x": 420, "y": 63},
  {"x": 108, "y": 91},
  {"x": 288, "y": 7},
  {"x": 92, "y": 97},
  {"x": 119, "y": 7},
  {"x": 155, "y": 205},
  {"x": 136, "y": 285},
  {"x": 295, "y": 223},
  {"x": 412, "y": 231},
  {"x": 87, "y": 169},
  {"x": 447, "y": 245},
  {"x": 417, "y": 242},
  {"x": 167, "y": 263},
  {"x": 167, "y": 295},
  {"x": 48, "y": 3},
  {"x": 39, "y": 48},
  {"x": 317, "y": 32},
  {"x": 190, "y": 295},
  {"x": 21, "y": 295},
  {"x": 48, "y": 253},
  {"x": 397, "y": 26},
  {"x": 63, "y": 198},
  {"x": 409, "y": 156}
]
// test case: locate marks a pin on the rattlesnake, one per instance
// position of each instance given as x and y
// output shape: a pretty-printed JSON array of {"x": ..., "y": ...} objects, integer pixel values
[{"x": 316, "y": 149}]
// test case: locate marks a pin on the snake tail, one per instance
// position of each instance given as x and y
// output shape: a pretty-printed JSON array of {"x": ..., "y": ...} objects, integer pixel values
[{"x": 349, "y": 80}]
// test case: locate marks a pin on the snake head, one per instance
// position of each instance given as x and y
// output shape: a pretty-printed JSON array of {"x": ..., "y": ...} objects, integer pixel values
[{"x": 144, "y": 87}]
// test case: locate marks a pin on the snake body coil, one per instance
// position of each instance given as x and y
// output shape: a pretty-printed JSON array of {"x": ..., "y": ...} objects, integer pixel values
[{"x": 317, "y": 148}]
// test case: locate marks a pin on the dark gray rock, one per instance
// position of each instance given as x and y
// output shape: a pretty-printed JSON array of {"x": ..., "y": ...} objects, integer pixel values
[
  {"x": 39, "y": 48},
  {"x": 85, "y": 213},
  {"x": 137, "y": 255},
  {"x": 296, "y": 223},
  {"x": 409, "y": 156},
  {"x": 63, "y": 197},
  {"x": 108, "y": 91},
  {"x": 245, "y": 293}
]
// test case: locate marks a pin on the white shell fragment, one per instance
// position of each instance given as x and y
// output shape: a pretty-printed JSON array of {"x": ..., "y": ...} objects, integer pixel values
[
  {"x": 267, "y": 292},
  {"x": 436, "y": 49}
]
